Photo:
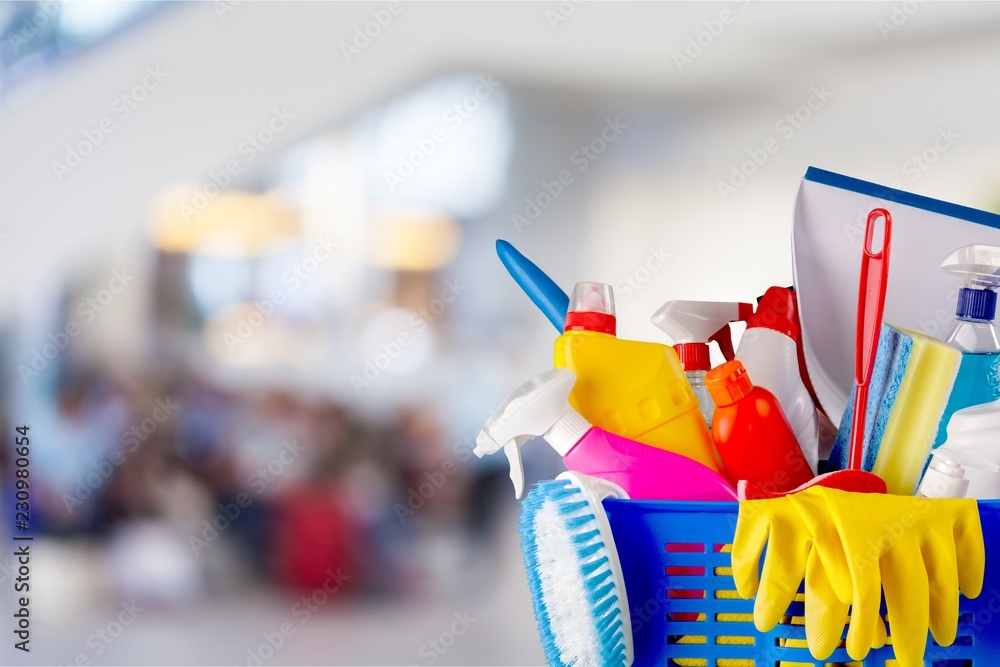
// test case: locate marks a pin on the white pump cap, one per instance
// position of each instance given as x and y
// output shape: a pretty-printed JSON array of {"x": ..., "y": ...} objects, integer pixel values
[
  {"x": 539, "y": 407},
  {"x": 945, "y": 477}
]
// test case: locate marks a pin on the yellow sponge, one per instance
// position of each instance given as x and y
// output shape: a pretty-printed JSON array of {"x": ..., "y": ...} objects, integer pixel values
[{"x": 920, "y": 402}]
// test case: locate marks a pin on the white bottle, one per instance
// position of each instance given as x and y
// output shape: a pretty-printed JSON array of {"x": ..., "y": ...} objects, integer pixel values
[
  {"x": 973, "y": 442},
  {"x": 770, "y": 354},
  {"x": 946, "y": 476}
]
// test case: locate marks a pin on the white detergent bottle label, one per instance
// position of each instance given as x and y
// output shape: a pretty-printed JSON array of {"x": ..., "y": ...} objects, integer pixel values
[{"x": 771, "y": 359}]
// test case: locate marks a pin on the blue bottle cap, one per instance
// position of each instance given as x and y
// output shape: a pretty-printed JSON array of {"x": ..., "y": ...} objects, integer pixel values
[{"x": 976, "y": 304}]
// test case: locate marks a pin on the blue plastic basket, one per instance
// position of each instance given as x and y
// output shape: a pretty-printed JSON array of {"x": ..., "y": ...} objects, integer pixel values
[{"x": 685, "y": 610}]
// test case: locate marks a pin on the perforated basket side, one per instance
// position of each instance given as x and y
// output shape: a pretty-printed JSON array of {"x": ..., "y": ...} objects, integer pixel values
[{"x": 685, "y": 610}]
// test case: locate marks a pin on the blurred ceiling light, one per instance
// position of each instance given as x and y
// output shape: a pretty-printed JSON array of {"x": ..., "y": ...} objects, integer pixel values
[
  {"x": 445, "y": 145},
  {"x": 413, "y": 239},
  {"x": 187, "y": 219},
  {"x": 245, "y": 336}
]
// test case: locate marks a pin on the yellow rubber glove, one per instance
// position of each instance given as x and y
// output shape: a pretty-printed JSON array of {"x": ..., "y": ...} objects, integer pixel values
[
  {"x": 822, "y": 627},
  {"x": 849, "y": 546},
  {"x": 792, "y": 556},
  {"x": 921, "y": 552}
]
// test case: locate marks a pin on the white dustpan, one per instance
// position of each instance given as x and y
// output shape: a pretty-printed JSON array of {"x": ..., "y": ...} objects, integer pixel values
[{"x": 827, "y": 235}]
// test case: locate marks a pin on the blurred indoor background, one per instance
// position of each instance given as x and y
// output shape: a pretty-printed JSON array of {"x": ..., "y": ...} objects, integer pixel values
[{"x": 251, "y": 310}]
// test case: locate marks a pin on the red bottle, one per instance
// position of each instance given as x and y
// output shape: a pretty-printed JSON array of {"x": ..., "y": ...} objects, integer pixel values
[{"x": 751, "y": 432}]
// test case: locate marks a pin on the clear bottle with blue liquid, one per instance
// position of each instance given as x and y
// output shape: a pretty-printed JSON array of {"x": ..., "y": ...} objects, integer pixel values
[{"x": 974, "y": 331}]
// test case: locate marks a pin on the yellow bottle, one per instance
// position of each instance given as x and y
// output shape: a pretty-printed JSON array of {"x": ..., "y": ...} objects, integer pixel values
[{"x": 635, "y": 389}]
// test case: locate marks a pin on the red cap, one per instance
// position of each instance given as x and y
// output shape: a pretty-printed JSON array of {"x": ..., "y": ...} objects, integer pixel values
[
  {"x": 693, "y": 356},
  {"x": 582, "y": 320},
  {"x": 728, "y": 382},
  {"x": 591, "y": 308},
  {"x": 777, "y": 310}
]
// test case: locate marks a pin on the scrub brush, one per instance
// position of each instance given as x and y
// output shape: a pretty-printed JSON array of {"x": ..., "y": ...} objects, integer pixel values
[{"x": 575, "y": 578}]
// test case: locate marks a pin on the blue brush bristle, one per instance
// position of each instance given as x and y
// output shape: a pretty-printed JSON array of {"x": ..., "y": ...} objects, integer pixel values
[{"x": 587, "y": 543}]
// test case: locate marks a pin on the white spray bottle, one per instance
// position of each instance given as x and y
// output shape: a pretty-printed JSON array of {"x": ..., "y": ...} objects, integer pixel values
[
  {"x": 970, "y": 456},
  {"x": 540, "y": 407},
  {"x": 692, "y": 324},
  {"x": 770, "y": 353}
]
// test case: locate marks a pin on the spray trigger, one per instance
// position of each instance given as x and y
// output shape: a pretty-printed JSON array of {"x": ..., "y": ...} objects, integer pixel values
[
  {"x": 724, "y": 337},
  {"x": 513, "y": 451}
]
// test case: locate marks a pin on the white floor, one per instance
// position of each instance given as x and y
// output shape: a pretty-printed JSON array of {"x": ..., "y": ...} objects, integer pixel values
[{"x": 233, "y": 629}]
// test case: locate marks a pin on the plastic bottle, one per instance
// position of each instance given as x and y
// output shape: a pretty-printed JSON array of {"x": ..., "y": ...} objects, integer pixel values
[
  {"x": 634, "y": 389},
  {"x": 692, "y": 324},
  {"x": 771, "y": 355},
  {"x": 751, "y": 433},
  {"x": 973, "y": 330},
  {"x": 540, "y": 407},
  {"x": 946, "y": 476},
  {"x": 974, "y": 436}
]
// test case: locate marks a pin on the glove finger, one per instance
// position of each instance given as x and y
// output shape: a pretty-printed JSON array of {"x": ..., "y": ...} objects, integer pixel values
[
  {"x": 881, "y": 636},
  {"x": 784, "y": 569},
  {"x": 907, "y": 599},
  {"x": 971, "y": 552},
  {"x": 940, "y": 561},
  {"x": 752, "y": 529},
  {"x": 826, "y": 615},
  {"x": 864, "y": 607},
  {"x": 817, "y": 514}
]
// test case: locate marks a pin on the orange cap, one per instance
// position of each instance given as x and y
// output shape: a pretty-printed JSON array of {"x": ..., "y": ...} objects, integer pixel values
[{"x": 728, "y": 382}]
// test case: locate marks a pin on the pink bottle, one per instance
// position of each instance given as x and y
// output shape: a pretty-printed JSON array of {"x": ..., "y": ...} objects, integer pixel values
[{"x": 540, "y": 407}]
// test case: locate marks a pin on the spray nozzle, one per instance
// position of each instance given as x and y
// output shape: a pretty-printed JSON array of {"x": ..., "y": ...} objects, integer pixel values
[
  {"x": 692, "y": 324},
  {"x": 980, "y": 264},
  {"x": 539, "y": 407}
]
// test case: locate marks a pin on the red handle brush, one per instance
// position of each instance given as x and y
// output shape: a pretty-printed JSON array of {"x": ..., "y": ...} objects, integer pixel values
[{"x": 871, "y": 303}]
